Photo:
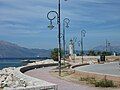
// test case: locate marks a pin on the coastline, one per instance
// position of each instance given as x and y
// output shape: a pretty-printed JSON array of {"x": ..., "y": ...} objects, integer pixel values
[
  {"x": 16, "y": 79},
  {"x": 18, "y": 72}
]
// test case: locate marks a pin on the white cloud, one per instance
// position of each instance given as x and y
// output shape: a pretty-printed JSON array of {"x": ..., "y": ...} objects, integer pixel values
[{"x": 28, "y": 17}]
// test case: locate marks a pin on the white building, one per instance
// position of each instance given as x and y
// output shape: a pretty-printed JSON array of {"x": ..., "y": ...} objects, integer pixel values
[{"x": 71, "y": 47}]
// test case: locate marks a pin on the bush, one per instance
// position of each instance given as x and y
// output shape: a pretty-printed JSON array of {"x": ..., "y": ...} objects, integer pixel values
[
  {"x": 98, "y": 83},
  {"x": 89, "y": 80},
  {"x": 104, "y": 83}
]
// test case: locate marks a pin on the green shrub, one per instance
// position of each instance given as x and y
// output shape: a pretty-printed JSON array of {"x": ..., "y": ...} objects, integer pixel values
[
  {"x": 98, "y": 83},
  {"x": 90, "y": 80},
  {"x": 104, "y": 83}
]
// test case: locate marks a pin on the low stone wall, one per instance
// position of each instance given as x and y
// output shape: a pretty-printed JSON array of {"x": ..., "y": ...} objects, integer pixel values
[
  {"x": 97, "y": 76},
  {"x": 79, "y": 65},
  {"x": 33, "y": 83},
  {"x": 95, "y": 58},
  {"x": 27, "y": 68}
]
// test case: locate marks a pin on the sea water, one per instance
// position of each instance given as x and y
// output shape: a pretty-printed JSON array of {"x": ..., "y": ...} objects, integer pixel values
[{"x": 5, "y": 63}]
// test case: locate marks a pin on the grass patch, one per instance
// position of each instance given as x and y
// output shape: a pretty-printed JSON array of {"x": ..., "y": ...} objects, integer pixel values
[
  {"x": 89, "y": 80},
  {"x": 70, "y": 75},
  {"x": 64, "y": 71},
  {"x": 98, "y": 83}
]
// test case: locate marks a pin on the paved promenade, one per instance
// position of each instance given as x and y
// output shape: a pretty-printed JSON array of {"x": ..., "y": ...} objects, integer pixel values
[
  {"x": 109, "y": 68},
  {"x": 43, "y": 73}
]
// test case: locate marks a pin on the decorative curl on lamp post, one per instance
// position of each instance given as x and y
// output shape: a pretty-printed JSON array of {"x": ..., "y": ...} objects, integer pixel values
[{"x": 50, "y": 26}]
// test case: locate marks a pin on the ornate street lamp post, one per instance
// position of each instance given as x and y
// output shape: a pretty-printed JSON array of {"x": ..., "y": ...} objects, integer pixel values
[
  {"x": 74, "y": 41},
  {"x": 65, "y": 25},
  {"x": 59, "y": 31},
  {"x": 83, "y": 32},
  {"x": 79, "y": 43}
]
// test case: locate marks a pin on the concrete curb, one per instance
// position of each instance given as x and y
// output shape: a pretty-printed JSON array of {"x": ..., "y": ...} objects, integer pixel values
[{"x": 97, "y": 76}]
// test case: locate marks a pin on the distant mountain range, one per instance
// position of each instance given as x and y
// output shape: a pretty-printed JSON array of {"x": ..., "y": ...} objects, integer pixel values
[
  {"x": 10, "y": 50},
  {"x": 110, "y": 48}
]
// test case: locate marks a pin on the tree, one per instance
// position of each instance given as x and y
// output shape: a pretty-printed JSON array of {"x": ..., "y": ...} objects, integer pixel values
[
  {"x": 98, "y": 53},
  {"x": 106, "y": 53},
  {"x": 91, "y": 53},
  {"x": 54, "y": 54}
]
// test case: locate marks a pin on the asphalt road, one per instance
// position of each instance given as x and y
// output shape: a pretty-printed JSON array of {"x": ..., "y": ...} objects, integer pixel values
[{"x": 109, "y": 68}]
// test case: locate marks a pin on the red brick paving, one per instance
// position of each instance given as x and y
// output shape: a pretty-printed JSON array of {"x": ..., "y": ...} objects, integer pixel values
[{"x": 43, "y": 73}]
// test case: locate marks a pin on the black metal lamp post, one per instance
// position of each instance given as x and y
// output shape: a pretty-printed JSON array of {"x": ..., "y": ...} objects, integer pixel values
[
  {"x": 74, "y": 41},
  {"x": 59, "y": 31},
  {"x": 65, "y": 25},
  {"x": 83, "y": 32},
  {"x": 109, "y": 45},
  {"x": 79, "y": 42}
]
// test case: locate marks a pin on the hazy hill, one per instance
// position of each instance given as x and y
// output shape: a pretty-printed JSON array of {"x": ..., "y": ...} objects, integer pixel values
[
  {"x": 10, "y": 50},
  {"x": 111, "y": 48}
]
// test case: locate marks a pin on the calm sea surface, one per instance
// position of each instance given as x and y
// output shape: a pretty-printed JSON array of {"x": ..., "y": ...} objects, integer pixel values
[{"x": 4, "y": 63}]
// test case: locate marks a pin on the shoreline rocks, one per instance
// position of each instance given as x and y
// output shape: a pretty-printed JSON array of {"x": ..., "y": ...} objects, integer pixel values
[
  {"x": 11, "y": 78},
  {"x": 8, "y": 79}
]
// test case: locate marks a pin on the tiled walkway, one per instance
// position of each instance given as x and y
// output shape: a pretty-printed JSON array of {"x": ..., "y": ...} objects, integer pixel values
[{"x": 43, "y": 73}]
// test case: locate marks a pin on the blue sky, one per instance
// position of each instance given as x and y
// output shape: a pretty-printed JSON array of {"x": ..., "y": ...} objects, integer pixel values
[{"x": 24, "y": 22}]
